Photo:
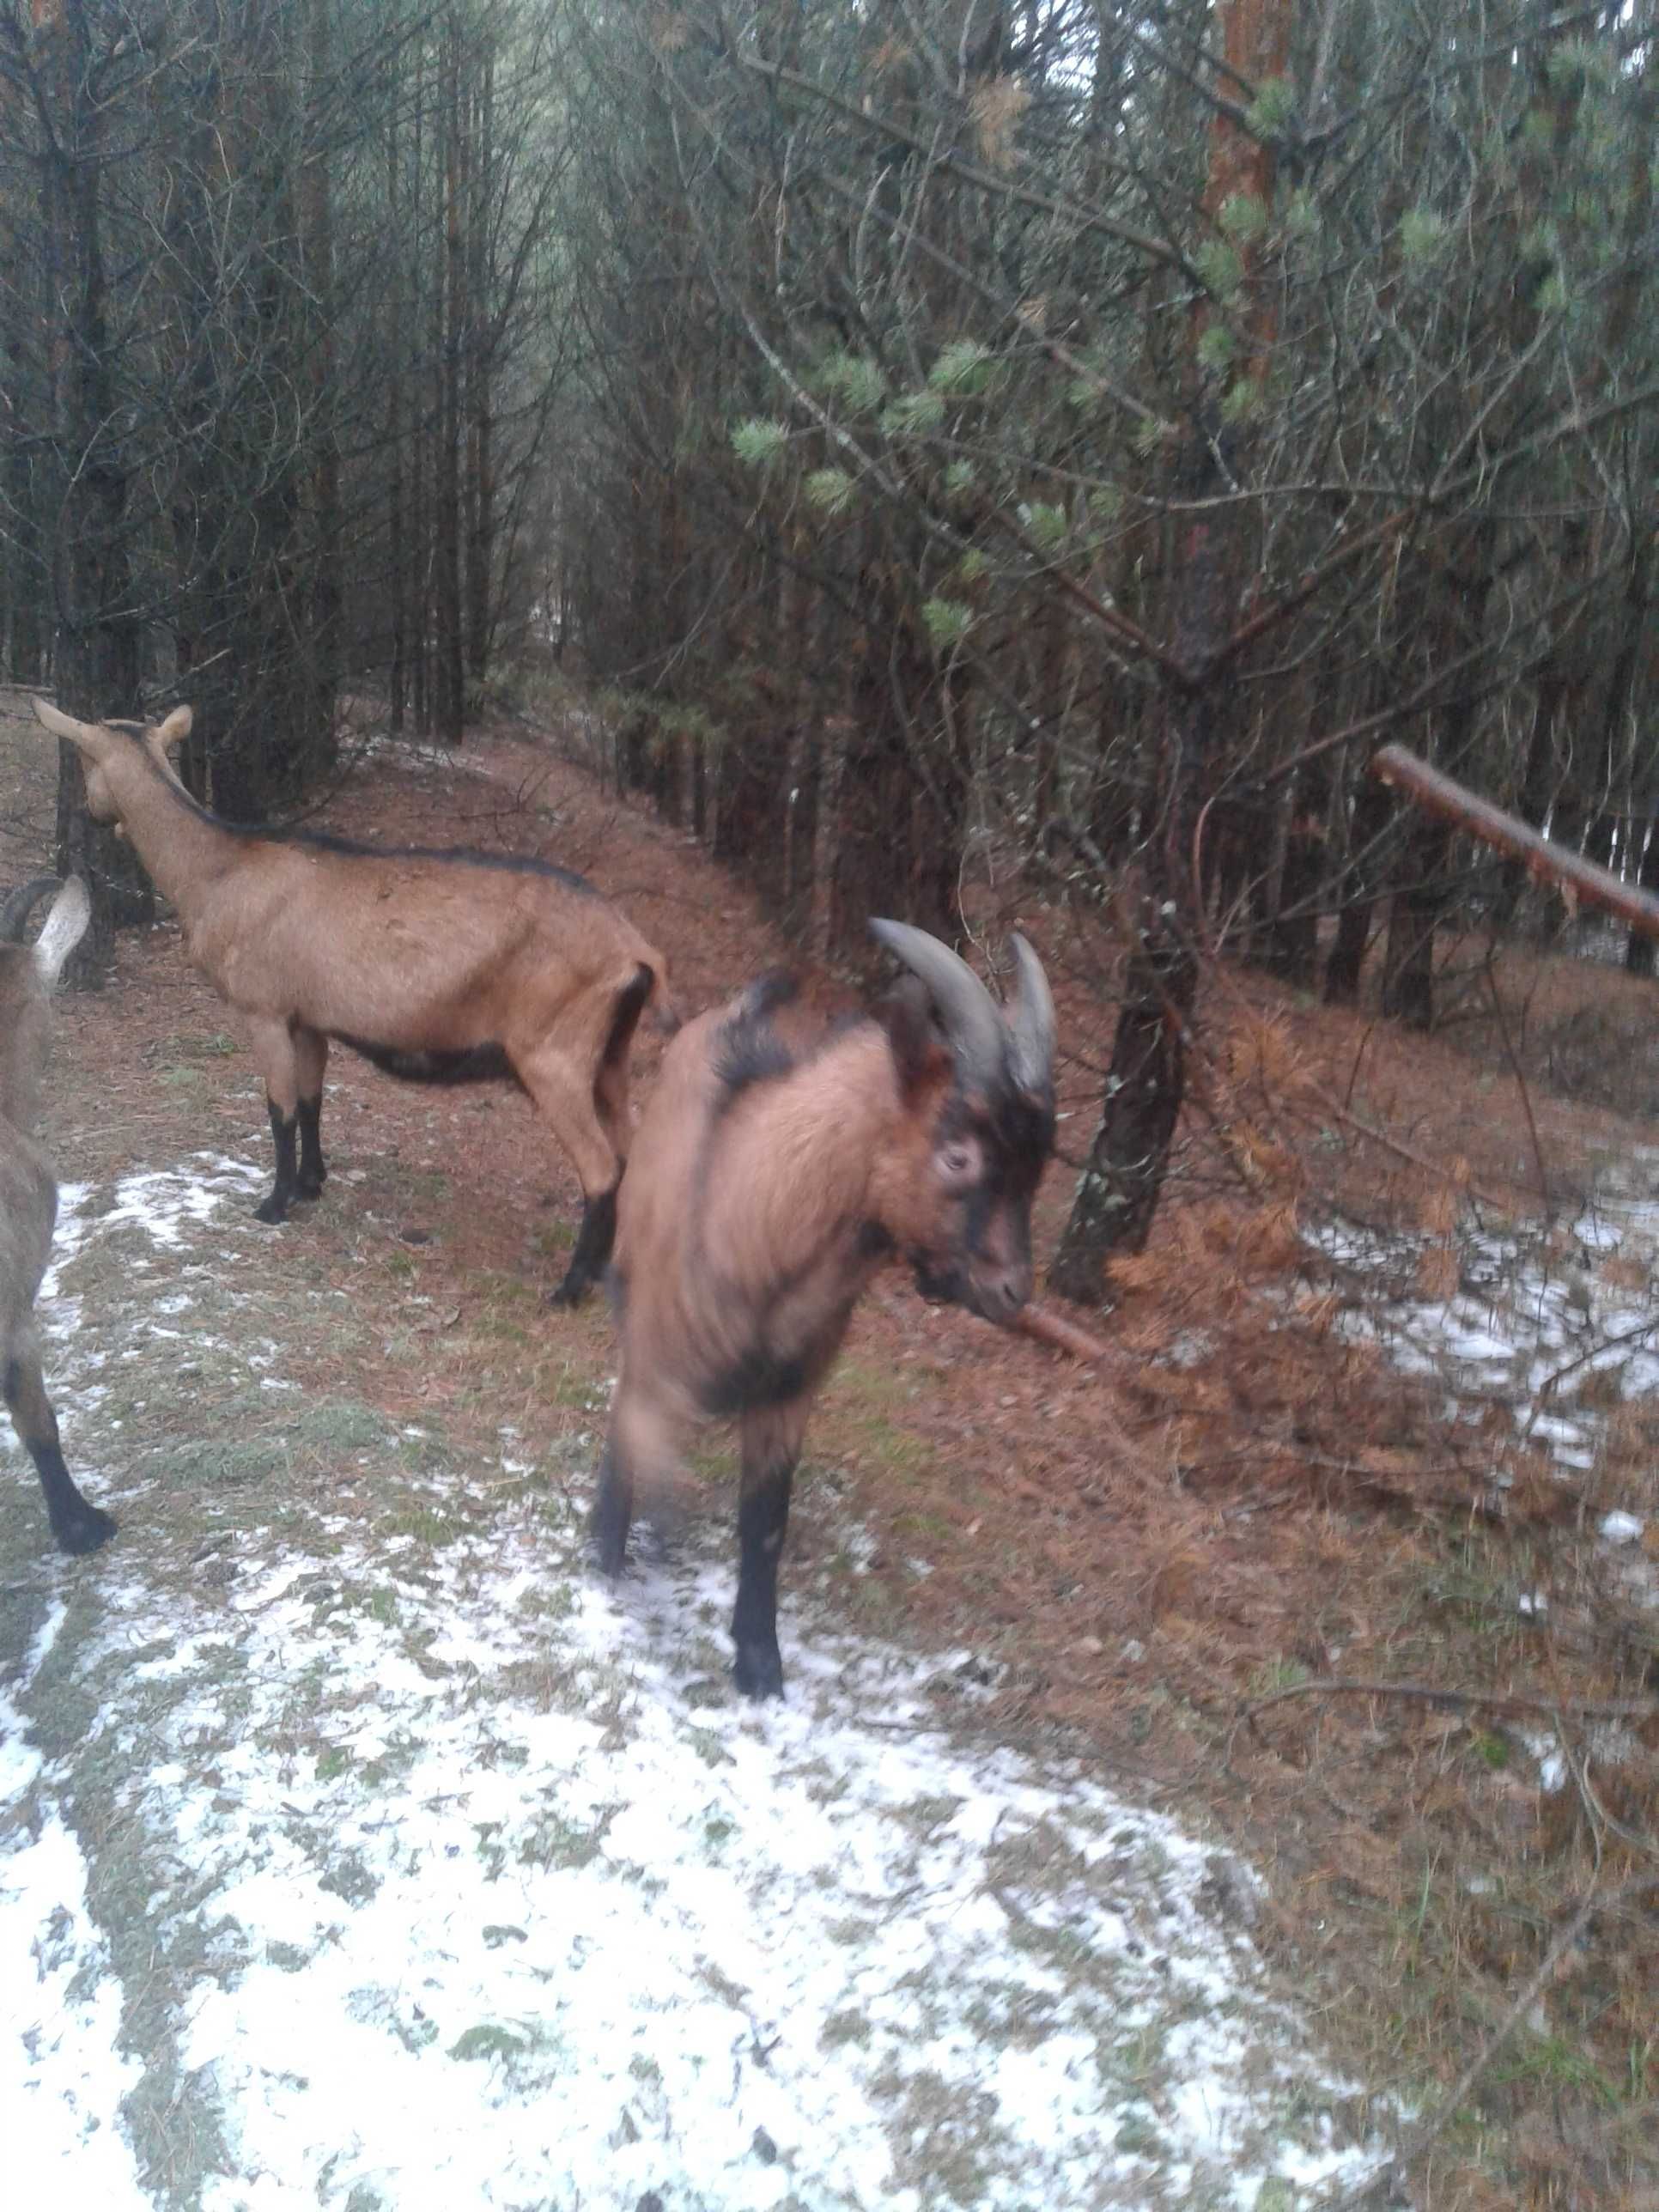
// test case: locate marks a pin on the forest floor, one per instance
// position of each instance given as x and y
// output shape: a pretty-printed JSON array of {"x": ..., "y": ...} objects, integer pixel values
[{"x": 356, "y": 1849}]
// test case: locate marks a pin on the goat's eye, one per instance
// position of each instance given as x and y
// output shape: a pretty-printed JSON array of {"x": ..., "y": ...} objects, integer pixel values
[{"x": 958, "y": 1164}]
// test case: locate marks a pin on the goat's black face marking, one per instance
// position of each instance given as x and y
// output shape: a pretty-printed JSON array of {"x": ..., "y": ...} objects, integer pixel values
[{"x": 1014, "y": 1134}]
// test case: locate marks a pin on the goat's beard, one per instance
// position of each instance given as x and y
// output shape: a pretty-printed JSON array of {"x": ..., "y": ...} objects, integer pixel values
[
  {"x": 942, "y": 1281},
  {"x": 948, "y": 1283}
]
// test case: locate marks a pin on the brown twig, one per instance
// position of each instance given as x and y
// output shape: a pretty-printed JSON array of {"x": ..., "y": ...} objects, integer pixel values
[
  {"x": 1405, "y": 1151},
  {"x": 1520, "y": 1086},
  {"x": 1353, "y": 1073},
  {"x": 1052, "y": 1329},
  {"x": 1620, "y": 1708},
  {"x": 1541, "y": 1395},
  {"x": 1389, "y": 2175}
]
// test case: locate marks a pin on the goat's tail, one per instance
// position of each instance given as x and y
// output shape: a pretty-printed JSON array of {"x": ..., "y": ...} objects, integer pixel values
[
  {"x": 15, "y": 909},
  {"x": 630, "y": 1003},
  {"x": 665, "y": 1016}
]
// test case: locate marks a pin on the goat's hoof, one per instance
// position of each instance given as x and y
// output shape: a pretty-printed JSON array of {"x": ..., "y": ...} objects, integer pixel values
[
  {"x": 310, "y": 1186},
  {"x": 273, "y": 1210},
  {"x": 78, "y": 1533},
  {"x": 570, "y": 1292},
  {"x": 758, "y": 1670}
]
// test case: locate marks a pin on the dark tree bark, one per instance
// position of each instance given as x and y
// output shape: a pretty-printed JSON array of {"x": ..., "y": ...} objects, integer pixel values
[
  {"x": 1118, "y": 1191},
  {"x": 98, "y": 662}
]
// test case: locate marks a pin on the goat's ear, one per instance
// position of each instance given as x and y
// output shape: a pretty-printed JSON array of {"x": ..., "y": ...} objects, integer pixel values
[
  {"x": 919, "y": 1049},
  {"x": 66, "y": 925},
  {"x": 174, "y": 730}
]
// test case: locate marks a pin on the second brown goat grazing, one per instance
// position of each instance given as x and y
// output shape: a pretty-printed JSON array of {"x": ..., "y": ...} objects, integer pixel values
[
  {"x": 438, "y": 967},
  {"x": 767, "y": 1186},
  {"x": 28, "y": 1193}
]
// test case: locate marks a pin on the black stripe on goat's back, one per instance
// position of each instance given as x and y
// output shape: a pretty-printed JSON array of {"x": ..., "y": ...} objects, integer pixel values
[
  {"x": 326, "y": 841},
  {"x": 479, "y": 1063},
  {"x": 517, "y": 864},
  {"x": 751, "y": 1050}
]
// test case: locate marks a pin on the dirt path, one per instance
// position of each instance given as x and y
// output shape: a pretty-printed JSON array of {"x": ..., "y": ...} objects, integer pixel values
[{"x": 356, "y": 1850}]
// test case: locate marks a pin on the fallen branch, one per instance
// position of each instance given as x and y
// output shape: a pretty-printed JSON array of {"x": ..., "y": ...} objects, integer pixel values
[
  {"x": 1063, "y": 1335},
  {"x": 1615, "y": 1708},
  {"x": 1550, "y": 1383},
  {"x": 1404, "y": 1152},
  {"x": 1435, "y": 793}
]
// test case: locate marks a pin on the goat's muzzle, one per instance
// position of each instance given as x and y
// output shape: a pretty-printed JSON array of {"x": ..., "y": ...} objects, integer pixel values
[{"x": 995, "y": 1293}]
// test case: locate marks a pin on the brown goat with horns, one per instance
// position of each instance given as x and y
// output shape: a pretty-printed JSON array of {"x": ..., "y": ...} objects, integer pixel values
[
  {"x": 764, "y": 1190},
  {"x": 28, "y": 1193},
  {"x": 438, "y": 967}
]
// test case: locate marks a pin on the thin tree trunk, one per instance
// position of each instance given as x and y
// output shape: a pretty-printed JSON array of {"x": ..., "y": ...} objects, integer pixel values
[
  {"x": 452, "y": 321},
  {"x": 1118, "y": 1192}
]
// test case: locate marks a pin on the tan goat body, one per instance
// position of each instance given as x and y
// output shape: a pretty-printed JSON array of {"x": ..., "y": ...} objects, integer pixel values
[
  {"x": 438, "y": 967},
  {"x": 28, "y": 1193},
  {"x": 766, "y": 1185}
]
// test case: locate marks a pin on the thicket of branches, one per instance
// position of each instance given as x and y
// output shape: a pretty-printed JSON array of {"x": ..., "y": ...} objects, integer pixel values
[
  {"x": 1089, "y": 429},
  {"x": 1063, "y": 436},
  {"x": 275, "y": 364}
]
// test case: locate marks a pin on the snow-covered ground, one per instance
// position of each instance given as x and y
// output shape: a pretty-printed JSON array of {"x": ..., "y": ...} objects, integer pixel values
[
  {"x": 366, "y": 1858},
  {"x": 1559, "y": 1325}
]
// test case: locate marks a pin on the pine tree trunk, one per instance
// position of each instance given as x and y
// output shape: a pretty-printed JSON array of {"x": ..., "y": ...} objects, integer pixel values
[
  {"x": 97, "y": 665},
  {"x": 450, "y": 674}
]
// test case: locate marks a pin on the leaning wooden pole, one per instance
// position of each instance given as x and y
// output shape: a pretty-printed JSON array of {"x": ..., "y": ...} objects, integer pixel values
[{"x": 1439, "y": 793}]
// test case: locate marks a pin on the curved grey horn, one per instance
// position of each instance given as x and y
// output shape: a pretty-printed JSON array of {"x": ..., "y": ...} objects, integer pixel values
[
  {"x": 1031, "y": 1025},
  {"x": 967, "y": 1011},
  {"x": 20, "y": 904}
]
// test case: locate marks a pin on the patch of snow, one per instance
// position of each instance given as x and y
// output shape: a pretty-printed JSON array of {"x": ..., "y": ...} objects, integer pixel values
[
  {"x": 653, "y": 1922},
  {"x": 1529, "y": 1320},
  {"x": 476, "y": 1884},
  {"x": 1621, "y": 1527},
  {"x": 62, "y": 2077}
]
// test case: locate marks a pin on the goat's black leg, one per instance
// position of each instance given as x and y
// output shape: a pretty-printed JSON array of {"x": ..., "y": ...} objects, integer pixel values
[
  {"x": 284, "y": 1130},
  {"x": 310, "y": 1049},
  {"x": 594, "y": 1243},
  {"x": 613, "y": 1509},
  {"x": 313, "y": 1170},
  {"x": 76, "y": 1526},
  {"x": 771, "y": 1446}
]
